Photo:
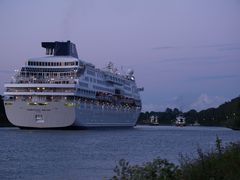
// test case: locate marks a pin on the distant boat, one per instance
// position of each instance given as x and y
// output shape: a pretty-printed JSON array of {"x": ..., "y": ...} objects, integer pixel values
[
  {"x": 180, "y": 120},
  {"x": 154, "y": 120},
  {"x": 196, "y": 124}
]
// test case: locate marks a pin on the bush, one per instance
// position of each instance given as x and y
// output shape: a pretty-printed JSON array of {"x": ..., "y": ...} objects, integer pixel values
[
  {"x": 157, "y": 169},
  {"x": 222, "y": 163}
]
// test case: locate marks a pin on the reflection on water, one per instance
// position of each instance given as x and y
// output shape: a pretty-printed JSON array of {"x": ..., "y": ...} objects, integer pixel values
[{"x": 92, "y": 154}]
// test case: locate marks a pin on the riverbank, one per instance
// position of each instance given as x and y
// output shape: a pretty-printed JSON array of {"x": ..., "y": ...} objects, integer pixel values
[
  {"x": 221, "y": 163},
  {"x": 225, "y": 115}
]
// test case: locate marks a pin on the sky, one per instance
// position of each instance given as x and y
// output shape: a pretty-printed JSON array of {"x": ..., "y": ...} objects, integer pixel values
[{"x": 186, "y": 54}]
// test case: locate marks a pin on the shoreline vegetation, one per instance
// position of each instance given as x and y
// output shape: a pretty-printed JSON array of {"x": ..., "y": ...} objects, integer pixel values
[
  {"x": 3, "y": 118},
  {"x": 221, "y": 163},
  {"x": 225, "y": 115}
]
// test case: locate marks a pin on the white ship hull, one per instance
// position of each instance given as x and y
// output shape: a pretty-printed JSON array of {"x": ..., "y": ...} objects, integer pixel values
[{"x": 61, "y": 115}]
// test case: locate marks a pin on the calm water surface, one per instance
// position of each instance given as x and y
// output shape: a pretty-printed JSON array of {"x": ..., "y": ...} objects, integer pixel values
[{"x": 93, "y": 154}]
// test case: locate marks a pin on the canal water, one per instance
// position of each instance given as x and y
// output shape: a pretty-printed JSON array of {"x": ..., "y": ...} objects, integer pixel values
[{"x": 93, "y": 154}]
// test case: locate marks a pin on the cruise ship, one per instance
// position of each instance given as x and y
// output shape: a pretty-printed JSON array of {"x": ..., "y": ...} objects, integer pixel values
[{"x": 60, "y": 90}]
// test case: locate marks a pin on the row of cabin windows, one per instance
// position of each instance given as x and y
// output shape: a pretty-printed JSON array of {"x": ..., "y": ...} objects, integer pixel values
[
  {"x": 119, "y": 80},
  {"x": 127, "y": 88},
  {"x": 100, "y": 75},
  {"x": 92, "y": 73},
  {"x": 83, "y": 84},
  {"x": 36, "y": 63},
  {"x": 103, "y": 89},
  {"x": 89, "y": 79},
  {"x": 116, "y": 79},
  {"x": 101, "y": 82},
  {"x": 86, "y": 92},
  {"x": 127, "y": 94},
  {"x": 47, "y": 74}
]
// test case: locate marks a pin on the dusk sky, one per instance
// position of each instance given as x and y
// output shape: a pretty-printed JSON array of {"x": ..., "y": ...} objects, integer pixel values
[{"x": 185, "y": 53}]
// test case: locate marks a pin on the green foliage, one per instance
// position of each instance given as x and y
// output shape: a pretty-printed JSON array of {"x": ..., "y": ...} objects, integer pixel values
[
  {"x": 222, "y": 163},
  {"x": 227, "y": 114},
  {"x": 3, "y": 118},
  {"x": 158, "y": 169},
  {"x": 165, "y": 118}
]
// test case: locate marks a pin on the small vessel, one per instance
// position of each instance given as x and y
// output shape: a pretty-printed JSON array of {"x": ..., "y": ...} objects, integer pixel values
[
  {"x": 180, "y": 120},
  {"x": 61, "y": 90},
  {"x": 154, "y": 120},
  {"x": 196, "y": 123}
]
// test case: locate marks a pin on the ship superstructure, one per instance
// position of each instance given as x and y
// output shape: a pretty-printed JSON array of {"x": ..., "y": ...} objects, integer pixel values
[{"x": 60, "y": 90}]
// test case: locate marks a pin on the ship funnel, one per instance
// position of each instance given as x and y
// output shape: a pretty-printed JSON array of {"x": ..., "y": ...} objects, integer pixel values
[{"x": 60, "y": 48}]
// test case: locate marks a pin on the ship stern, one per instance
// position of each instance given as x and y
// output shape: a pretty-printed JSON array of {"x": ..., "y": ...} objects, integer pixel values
[{"x": 40, "y": 114}]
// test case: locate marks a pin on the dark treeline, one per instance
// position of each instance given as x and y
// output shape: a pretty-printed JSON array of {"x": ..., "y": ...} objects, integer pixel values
[
  {"x": 165, "y": 118},
  {"x": 3, "y": 118},
  {"x": 227, "y": 114}
]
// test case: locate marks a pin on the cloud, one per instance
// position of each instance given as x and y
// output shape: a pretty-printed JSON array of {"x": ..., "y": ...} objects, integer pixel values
[
  {"x": 185, "y": 103},
  {"x": 212, "y": 45},
  {"x": 216, "y": 77},
  {"x": 164, "y": 47},
  {"x": 221, "y": 47},
  {"x": 229, "y": 49},
  {"x": 205, "y": 101},
  {"x": 205, "y": 59}
]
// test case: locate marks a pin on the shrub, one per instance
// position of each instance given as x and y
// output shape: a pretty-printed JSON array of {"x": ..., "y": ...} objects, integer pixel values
[
  {"x": 157, "y": 169},
  {"x": 222, "y": 163}
]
